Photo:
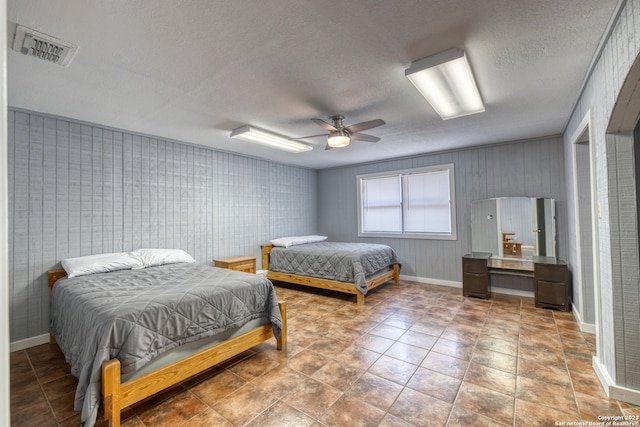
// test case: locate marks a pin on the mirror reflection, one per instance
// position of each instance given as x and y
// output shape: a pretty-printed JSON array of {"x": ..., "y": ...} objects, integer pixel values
[{"x": 514, "y": 227}]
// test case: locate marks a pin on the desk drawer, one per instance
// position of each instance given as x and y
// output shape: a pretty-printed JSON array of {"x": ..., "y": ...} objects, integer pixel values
[
  {"x": 552, "y": 272},
  {"x": 552, "y": 294},
  {"x": 476, "y": 266},
  {"x": 241, "y": 263},
  {"x": 552, "y": 282},
  {"x": 247, "y": 267},
  {"x": 476, "y": 285}
]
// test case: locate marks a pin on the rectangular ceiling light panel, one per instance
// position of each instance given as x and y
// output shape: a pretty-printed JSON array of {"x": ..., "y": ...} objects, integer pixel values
[
  {"x": 33, "y": 43},
  {"x": 446, "y": 81},
  {"x": 263, "y": 137}
]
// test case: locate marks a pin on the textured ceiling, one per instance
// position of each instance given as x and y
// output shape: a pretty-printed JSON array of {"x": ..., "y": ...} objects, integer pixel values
[{"x": 194, "y": 70}]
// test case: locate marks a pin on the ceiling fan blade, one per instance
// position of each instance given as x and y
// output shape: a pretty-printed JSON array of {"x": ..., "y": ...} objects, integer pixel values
[
  {"x": 307, "y": 137},
  {"x": 364, "y": 137},
  {"x": 365, "y": 125},
  {"x": 324, "y": 125}
]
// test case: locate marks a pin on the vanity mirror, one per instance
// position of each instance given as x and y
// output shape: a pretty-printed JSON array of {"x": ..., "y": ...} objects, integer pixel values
[{"x": 514, "y": 227}]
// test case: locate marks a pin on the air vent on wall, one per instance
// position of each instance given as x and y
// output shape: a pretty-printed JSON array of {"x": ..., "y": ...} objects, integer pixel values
[{"x": 33, "y": 43}]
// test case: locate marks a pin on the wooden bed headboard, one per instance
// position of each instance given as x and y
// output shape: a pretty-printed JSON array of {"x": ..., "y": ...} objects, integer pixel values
[
  {"x": 53, "y": 276},
  {"x": 266, "y": 250}
]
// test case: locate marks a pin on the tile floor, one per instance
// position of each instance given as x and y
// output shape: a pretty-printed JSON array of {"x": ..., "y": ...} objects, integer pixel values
[{"x": 414, "y": 355}]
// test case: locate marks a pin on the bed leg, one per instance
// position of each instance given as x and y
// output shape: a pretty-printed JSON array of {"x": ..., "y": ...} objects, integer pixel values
[
  {"x": 282, "y": 339},
  {"x": 396, "y": 274},
  {"x": 360, "y": 298},
  {"x": 111, "y": 391}
]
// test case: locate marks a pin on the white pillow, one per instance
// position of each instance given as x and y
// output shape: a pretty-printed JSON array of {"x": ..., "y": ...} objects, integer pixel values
[
  {"x": 153, "y": 257},
  {"x": 101, "y": 263},
  {"x": 285, "y": 242}
]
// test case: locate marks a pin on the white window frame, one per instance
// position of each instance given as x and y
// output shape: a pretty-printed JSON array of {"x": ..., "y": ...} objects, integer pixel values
[{"x": 452, "y": 235}]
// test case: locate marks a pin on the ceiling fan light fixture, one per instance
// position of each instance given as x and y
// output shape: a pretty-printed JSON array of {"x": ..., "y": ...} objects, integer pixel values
[
  {"x": 338, "y": 139},
  {"x": 260, "y": 136},
  {"x": 446, "y": 81}
]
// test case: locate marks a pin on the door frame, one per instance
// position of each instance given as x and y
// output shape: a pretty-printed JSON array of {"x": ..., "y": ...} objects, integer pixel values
[{"x": 585, "y": 126}]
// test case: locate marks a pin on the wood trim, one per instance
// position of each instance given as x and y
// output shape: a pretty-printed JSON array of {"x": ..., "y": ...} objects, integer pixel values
[{"x": 333, "y": 285}]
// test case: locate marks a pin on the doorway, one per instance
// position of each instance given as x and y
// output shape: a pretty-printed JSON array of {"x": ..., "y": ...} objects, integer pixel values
[{"x": 586, "y": 272}]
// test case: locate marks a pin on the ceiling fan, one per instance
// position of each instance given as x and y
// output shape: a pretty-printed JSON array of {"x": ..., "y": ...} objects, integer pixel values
[{"x": 340, "y": 135}]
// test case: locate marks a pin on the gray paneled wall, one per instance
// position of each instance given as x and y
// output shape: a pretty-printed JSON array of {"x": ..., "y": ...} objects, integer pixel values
[
  {"x": 624, "y": 257},
  {"x": 78, "y": 189},
  {"x": 530, "y": 168}
]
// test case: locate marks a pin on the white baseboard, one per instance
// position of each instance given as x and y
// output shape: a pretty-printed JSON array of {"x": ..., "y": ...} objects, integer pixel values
[
  {"x": 29, "y": 342},
  {"x": 589, "y": 328},
  {"x": 432, "y": 281},
  {"x": 614, "y": 391},
  {"x": 454, "y": 284}
]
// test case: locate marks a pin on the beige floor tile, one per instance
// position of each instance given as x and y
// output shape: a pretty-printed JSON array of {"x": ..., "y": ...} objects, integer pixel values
[
  {"x": 440, "y": 386},
  {"x": 393, "y": 369},
  {"x": 420, "y": 409},
  {"x": 444, "y": 364},
  {"x": 493, "y": 379},
  {"x": 492, "y": 404},
  {"x": 349, "y": 411},
  {"x": 311, "y": 397},
  {"x": 375, "y": 390}
]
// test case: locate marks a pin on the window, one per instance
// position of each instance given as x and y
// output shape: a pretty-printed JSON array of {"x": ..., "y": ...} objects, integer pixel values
[{"x": 413, "y": 203}]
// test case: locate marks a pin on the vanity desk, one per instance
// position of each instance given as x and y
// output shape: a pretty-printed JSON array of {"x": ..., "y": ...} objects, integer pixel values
[{"x": 550, "y": 277}]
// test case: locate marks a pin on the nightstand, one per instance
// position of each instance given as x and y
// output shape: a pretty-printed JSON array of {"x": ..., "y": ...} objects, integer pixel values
[{"x": 238, "y": 263}]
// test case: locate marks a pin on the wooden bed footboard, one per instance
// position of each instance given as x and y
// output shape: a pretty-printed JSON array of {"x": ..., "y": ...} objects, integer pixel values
[
  {"x": 333, "y": 285},
  {"x": 117, "y": 395}
]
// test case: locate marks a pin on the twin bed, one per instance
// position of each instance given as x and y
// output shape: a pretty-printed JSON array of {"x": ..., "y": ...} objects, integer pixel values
[
  {"x": 140, "y": 329},
  {"x": 353, "y": 268}
]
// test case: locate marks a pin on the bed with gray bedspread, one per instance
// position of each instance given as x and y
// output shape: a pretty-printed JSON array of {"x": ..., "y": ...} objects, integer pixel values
[
  {"x": 135, "y": 315},
  {"x": 344, "y": 262}
]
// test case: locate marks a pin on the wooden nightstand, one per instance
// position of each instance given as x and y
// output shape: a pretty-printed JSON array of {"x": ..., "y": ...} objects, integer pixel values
[{"x": 239, "y": 263}]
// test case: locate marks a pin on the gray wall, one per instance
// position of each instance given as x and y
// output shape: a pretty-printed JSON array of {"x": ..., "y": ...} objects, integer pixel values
[
  {"x": 78, "y": 189},
  {"x": 618, "y": 283},
  {"x": 529, "y": 168}
]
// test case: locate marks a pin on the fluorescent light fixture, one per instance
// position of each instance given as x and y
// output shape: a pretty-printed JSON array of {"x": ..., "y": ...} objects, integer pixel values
[
  {"x": 263, "y": 137},
  {"x": 446, "y": 81}
]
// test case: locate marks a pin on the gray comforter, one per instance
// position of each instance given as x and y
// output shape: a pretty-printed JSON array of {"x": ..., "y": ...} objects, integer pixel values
[
  {"x": 345, "y": 262},
  {"x": 135, "y": 315}
]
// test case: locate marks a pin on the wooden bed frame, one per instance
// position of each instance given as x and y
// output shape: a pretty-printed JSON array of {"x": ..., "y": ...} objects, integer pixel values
[
  {"x": 117, "y": 395},
  {"x": 332, "y": 285}
]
